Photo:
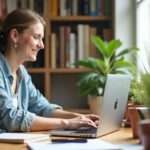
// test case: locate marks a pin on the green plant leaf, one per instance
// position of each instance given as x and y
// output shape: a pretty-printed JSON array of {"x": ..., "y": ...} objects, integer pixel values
[
  {"x": 126, "y": 51},
  {"x": 90, "y": 83},
  {"x": 88, "y": 63},
  {"x": 121, "y": 64},
  {"x": 112, "y": 46},
  {"x": 101, "y": 66},
  {"x": 100, "y": 45}
]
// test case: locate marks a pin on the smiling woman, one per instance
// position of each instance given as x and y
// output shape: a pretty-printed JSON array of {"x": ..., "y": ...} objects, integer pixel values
[{"x": 22, "y": 106}]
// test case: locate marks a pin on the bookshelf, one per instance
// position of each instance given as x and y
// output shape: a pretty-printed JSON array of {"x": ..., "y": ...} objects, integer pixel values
[{"x": 68, "y": 23}]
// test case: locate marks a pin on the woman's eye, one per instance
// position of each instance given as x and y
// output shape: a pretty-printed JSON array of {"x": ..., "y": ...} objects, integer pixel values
[{"x": 36, "y": 37}]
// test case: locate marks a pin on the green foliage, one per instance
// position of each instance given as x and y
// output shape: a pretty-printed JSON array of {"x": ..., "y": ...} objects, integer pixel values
[
  {"x": 145, "y": 95},
  {"x": 110, "y": 61},
  {"x": 136, "y": 91},
  {"x": 140, "y": 90}
]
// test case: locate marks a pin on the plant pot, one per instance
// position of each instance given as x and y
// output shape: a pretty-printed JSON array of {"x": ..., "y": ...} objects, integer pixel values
[
  {"x": 144, "y": 132},
  {"x": 136, "y": 114},
  {"x": 94, "y": 104},
  {"x": 126, "y": 119},
  {"x": 134, "y": 120}
]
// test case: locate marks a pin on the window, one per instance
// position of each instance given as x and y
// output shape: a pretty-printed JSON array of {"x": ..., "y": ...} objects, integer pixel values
[{"x": 143, "y": 34}]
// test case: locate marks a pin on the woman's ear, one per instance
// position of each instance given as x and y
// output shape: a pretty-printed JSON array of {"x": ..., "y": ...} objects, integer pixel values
[{"x": 14, "y": 35}]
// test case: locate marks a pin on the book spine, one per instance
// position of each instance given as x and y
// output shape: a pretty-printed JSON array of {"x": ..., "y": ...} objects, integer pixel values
[
  {"x": 72, "y": 50},
  {"x": 74, "y": 7},
  {"x": 53, "y": 7},
  {"x": 80, "y": 41},
  {"x": 62, "y": 47},
  {"x": 53, "y": 50}
]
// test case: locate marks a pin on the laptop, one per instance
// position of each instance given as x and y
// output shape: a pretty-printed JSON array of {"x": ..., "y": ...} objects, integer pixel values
[{"x": 112, "y": 109}]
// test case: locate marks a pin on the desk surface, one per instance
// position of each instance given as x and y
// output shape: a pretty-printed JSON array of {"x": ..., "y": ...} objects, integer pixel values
[{"x": 123, "y": 136}]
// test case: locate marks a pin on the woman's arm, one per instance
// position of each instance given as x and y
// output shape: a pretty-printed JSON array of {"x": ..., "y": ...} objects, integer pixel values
[
  {"x": 42, "y": 123},
  {"x": 60, "y": 113},
  {"x": 68, "y": 114}
]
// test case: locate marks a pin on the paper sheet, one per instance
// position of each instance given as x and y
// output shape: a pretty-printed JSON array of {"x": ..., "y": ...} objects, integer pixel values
[{"x": 92, "y": 144}]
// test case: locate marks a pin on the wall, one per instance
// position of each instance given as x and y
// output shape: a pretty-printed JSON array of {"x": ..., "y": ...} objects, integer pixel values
[{"x": 125, "y": 22}]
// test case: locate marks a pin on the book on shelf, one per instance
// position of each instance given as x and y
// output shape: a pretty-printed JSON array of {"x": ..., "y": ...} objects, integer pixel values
[
  {"x": 53, "y": 9},
  {"x": 72, "y": 50},
  {"x": 80, "y": 31},
  {"x": 81, "y": 8},
  {"x": 63, "y": 11},
  {"x": 30, "y": 4},
  {"x": 74, "y": 7},
  {"x": 107, "y": 7},
  {"x": 23, "y": 137},
  {"x": 86, "y": 41},
  {"x": 107, "y": 34},
  {"x": 62, "y": 46},
  {"x": 93, "y": 52},
  {"x": 11, "y": 5},
  {"x": 93, "y": 8},
  {"x": 2, "y": 9},
  {"x": 53, "y": 50}
]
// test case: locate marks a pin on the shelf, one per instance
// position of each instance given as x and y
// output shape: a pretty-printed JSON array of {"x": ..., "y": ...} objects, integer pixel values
[
  {"x": 81, "y": 18},
  {"x": 37, "y": 70},
  {"x": 68, "y": 71}
]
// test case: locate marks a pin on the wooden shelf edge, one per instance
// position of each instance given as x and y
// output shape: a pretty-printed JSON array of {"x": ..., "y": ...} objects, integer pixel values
[
  {"x": 80, "y": 18},
  {"x": 68, "y": 70},
  {"x": 37, "y": 70}
]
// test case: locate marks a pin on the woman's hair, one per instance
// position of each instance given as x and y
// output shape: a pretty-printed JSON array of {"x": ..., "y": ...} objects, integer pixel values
[{"x": 20, "y": 19}]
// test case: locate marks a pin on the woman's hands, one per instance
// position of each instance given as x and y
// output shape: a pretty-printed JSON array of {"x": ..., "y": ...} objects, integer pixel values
[
  {"x": 94, "y": 118},
  {"x": 72, "y": 120},
  {"x": 81, "y": 121}
]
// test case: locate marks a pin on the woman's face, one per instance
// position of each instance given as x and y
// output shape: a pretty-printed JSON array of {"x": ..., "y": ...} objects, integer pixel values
[{"x": 29, "y": 42}]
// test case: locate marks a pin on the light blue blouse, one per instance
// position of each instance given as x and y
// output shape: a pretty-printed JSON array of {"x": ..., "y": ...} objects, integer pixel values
[{"x": 30, "y": 101}]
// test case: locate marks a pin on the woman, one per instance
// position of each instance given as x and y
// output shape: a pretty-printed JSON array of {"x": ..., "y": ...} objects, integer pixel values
[{"x": 22, "y": 106}]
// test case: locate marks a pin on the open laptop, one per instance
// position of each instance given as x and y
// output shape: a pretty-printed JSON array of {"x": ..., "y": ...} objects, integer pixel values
[{"x": 112, "y": 109}]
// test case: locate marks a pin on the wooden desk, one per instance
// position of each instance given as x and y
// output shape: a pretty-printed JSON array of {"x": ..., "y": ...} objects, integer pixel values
[{"x": 123, "y": 136}]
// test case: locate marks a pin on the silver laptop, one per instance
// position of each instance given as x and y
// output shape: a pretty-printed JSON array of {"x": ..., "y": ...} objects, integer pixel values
[{"x": 112, "y": 109}]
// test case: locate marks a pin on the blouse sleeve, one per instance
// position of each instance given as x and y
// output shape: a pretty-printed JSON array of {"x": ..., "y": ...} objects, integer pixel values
[{"x": 38, "y": 104}]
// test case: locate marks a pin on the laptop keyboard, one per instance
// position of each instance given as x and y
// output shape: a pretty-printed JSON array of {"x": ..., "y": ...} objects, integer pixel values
[{"x": 86, "y": 130}]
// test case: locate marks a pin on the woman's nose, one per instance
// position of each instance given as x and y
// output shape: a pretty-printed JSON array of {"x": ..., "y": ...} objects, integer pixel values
[{"x": 41, "y": 44}]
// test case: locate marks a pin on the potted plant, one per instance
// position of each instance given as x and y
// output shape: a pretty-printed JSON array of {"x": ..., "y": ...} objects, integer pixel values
[
  {"x": 110, "y": 60},
  {"x": 140, "y": 109},
  {"x": 144, "y": 111}
]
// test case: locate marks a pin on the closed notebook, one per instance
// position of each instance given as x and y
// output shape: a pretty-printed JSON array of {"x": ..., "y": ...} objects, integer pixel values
[{"x": 23, "y": 137}]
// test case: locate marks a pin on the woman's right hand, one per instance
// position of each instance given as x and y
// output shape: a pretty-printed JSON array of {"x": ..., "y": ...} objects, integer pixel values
[{"x": 77, "y": 122}]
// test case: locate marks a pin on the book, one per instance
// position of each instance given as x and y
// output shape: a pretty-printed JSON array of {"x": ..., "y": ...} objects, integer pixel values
[
  {"x": 53, "y": 50},
  {"x": 53, "y": 10},
  {"x": 23, "y": 137}
]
